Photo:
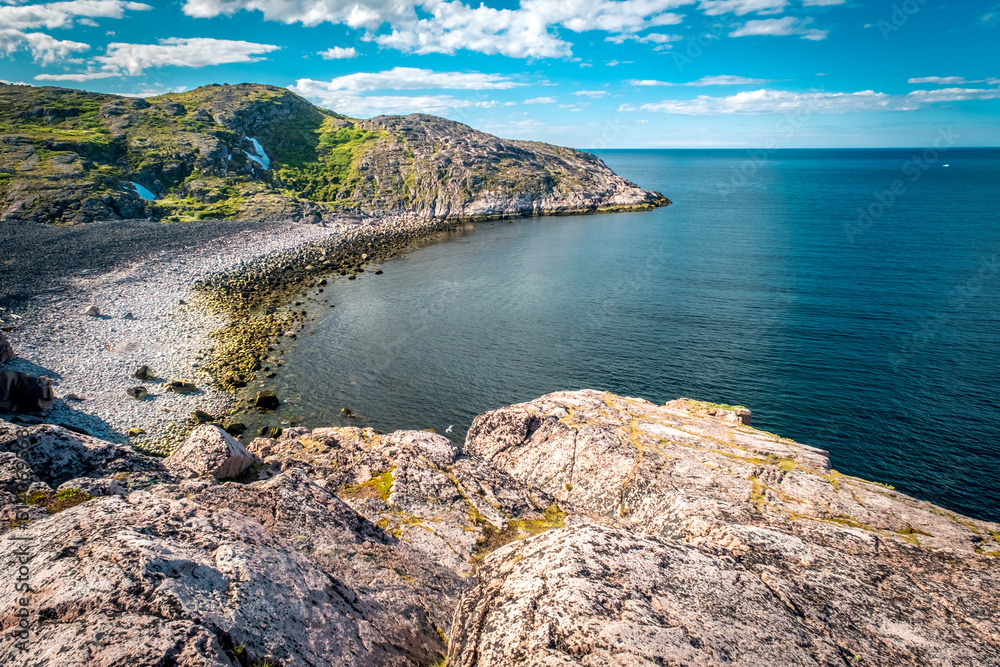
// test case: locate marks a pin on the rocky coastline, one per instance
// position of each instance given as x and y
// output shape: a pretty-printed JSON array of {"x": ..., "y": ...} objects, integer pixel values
[{"x": 581, "y": 528}]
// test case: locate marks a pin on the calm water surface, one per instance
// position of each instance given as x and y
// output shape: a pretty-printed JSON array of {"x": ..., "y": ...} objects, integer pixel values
[{"x": 876, "y": 340}]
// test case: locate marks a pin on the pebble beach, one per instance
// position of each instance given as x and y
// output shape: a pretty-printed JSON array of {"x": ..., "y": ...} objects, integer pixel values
[{"x": 148, "y": 316}]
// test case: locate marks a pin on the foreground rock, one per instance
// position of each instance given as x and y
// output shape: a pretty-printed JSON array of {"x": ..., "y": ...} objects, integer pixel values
[
  {"x": 209, "y": 450},
  {"x": 733, "y": 547},
  {"x": 581, "y": 528},
  {"x": 282, "y": 572},
  {"x": 418, "y": 486}
]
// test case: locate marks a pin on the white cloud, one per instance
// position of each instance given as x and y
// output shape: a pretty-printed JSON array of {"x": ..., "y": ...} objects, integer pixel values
[
  {"x": 338, "y": 53},
  {"x": 540, "y": 100},
  {"x": 591, "y": 93},
  {"x": 950, "y": 80},
  {"x": 783, "y": 101},
  {"x": 16, "y": 20},
  {"x": 652, "y": 38},
  {"x": 412, "y": 78},
  {"x": 822, "y": 3},
  {"x": 83, "y": 76},
  {"x": 452, "y": 25},
  {"x": 53, "y": 15},
  {"x": 133, "y": 59},
  {"x": 719, "y": 80},
  {"x": 741, "y": 7},
  {"x": 346, "y": 93},
  {"x": 44, "y": 48},
  {"x": 788, "y": 25}
]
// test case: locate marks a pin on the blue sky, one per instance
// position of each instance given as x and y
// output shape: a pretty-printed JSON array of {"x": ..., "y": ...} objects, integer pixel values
[{"x": 585, "y": 73}]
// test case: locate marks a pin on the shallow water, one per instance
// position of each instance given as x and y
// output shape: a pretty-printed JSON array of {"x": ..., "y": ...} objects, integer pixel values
[{"x": 877, "y": 341}]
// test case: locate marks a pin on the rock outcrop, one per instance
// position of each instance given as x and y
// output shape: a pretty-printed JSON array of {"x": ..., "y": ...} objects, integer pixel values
[
  {"x": 581, "y": 528},
  {"x": 209, "y": 450},
  {"x": 253, "y": 151},
  {"x": 718, "y": 544}
]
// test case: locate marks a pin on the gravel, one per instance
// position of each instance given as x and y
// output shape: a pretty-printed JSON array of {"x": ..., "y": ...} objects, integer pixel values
[{"x": 139, "y": 275}]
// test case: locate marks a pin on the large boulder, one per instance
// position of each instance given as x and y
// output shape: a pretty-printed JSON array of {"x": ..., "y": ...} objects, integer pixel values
[
  {"x": 6, "y": 350},
  {"x": 209, "y": 450},
  {"x": 731, "y": 546},
  {"x": 277, "y": 573},
  {"x": 20, "y": 392}
]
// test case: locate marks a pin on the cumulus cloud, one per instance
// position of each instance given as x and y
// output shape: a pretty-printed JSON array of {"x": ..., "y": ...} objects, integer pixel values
[
  {"x": 591, "y": 93},
  {"x": 17, "y": 21},
  {"x": 788, "y": 25},
  {"x": 338, "y": 53},
  {"x": 447, "y": 26},
  {"x": 53, "y": 15},
  {"x": 122, "y": 59},
  {"x": 346, "y": 94},
  {"x": 44, "y": 48},
  {"x": 718, "y": 80},
  {"x": 783, "y": 101},
  {"x": 413, "y": 78}
]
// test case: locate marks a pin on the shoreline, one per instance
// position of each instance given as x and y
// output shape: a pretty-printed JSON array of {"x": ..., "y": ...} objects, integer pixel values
[
  {"x": 203, "y": 309},
  {"x": 95, "y": 358}
]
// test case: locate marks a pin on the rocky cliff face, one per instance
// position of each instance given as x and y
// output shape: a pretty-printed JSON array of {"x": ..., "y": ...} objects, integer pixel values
[
  {"x": 252, "y": 151},
  {"x": 581, "y": 528}
]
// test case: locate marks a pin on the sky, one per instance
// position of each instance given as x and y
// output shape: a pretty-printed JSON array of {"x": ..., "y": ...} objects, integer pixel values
[{"x": 591, "y": 74}]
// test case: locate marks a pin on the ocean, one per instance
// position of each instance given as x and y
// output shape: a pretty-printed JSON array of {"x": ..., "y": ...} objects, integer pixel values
[{"x": 849, "y": 298}]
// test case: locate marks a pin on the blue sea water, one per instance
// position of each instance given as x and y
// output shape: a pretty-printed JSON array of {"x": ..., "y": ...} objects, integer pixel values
[{"x": 850, "y": 298}]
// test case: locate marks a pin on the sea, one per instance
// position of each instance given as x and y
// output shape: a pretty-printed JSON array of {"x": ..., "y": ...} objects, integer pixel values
[{"x": 849, "y": 298}]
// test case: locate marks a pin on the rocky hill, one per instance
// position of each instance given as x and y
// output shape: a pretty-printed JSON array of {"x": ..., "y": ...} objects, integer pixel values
[
  {"x": 255, "y": 151},
  {"x": 581, "y": 528}
]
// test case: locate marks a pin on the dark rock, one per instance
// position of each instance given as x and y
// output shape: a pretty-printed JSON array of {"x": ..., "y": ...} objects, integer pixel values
[
  {"x": 182, "y": 387},
  {"x": 20, "y": 392},
  {"x": 145, "y": 373},
  {"x": 202, "y": 417},
  {"x": 266, "y": 400},
  {"x": 138, "y": 393},
  {"x": 236, "y": 429},
  {"x": 6, "y": 350}
]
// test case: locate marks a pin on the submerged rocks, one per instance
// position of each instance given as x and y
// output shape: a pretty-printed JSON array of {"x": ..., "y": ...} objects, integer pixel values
[
  {"x": 266, "y": 400},
  {"x": 211, "y": 451},
  {"x": 20, "y": 392}
]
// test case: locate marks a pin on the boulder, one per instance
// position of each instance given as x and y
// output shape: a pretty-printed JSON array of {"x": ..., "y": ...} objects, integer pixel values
[
  {"x": 6, "y": 350},
  {"x": 104, "y": 486},
  {"x": 211, "y": 451},
  {"x": 138, "y": 393},
  {"x": 20, "y": 392},
  {"x": 181, "y": 387},
  {"x": 145, "y": 373},
  {"x": 266, "y": 400}
]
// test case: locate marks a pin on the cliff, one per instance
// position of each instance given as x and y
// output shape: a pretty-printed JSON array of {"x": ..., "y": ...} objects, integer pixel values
[
  {"x": 254, "y": 151},
  {"x": 581, "y": 528}
]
